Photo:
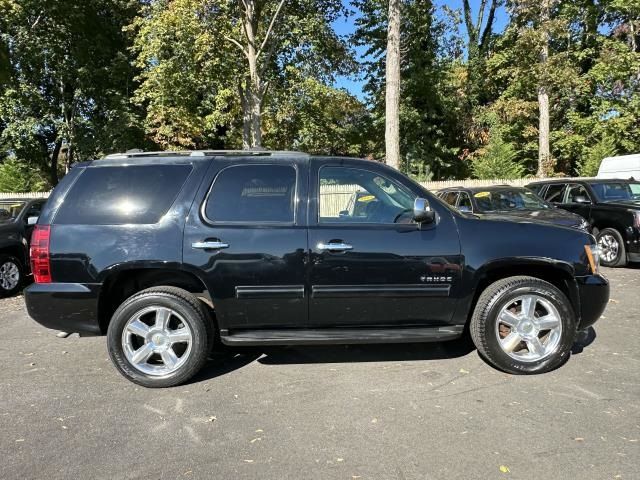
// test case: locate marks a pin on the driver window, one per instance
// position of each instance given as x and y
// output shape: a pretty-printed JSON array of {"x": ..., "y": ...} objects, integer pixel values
[
  {"x": 352, "y": 195},
  {"x": 577, "y": 191},
  {"x": 464, "y": 202}
]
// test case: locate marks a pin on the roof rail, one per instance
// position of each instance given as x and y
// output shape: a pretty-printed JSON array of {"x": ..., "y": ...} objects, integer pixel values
[{"x": 200, "y": 153}]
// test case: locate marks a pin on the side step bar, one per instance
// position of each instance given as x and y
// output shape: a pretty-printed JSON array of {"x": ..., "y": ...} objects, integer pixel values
[{"x": 340, "y": 335}]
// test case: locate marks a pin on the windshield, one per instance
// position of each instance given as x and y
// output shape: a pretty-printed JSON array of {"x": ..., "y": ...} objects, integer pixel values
[
  {"x": 9, "y": 211},
  {"x": 504, "y": 200},
  {"x": 614, "y": 191}
]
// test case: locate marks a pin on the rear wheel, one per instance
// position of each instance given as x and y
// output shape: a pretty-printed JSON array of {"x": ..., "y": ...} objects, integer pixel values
[
  {"x": 160, "y": 337},
  {"x": 523, "y": 325},
  {"x": 612, "y": 250},
  {"x": 11, "y": 274}
]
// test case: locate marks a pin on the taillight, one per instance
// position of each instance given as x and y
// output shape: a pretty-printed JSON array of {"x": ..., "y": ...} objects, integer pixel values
[{"x": 39, "y": 253}]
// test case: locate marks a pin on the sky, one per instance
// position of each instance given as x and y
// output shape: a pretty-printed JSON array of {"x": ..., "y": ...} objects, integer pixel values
[{"x": 346, "y": 26}]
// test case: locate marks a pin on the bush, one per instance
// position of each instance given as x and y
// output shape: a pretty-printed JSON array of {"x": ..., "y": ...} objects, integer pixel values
[
  {"x": 497, "y": 160},
  {"x": 20, "y": 177},
  {"x": 590, "y": 164}
]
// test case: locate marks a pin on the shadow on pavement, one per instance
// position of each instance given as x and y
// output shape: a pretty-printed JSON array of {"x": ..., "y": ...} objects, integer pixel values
[
  {"x": 364, "y": 353},
  {"x": 237, "y": 358},
  {"x": 584, "y": 338}
]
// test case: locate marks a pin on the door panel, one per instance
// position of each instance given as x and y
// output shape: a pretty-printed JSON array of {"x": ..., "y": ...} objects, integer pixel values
[
  {"x": 393, "y": 274},
  {"x": 257, "y": 276},
  {"x": 582, "y": 209}
]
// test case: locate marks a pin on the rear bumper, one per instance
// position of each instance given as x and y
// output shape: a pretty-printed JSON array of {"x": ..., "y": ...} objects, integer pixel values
[
  {"x": 70, "y": 307},
  {"x": 593, "y": 293}
]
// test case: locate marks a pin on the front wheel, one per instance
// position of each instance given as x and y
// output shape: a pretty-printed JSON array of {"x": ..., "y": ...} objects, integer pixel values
[
  {"x": 523, "y": 325},
  {"x": 11, "y": 274},
  {"x": 612, "y": 251},
  {"x": 160, "y": 337}
]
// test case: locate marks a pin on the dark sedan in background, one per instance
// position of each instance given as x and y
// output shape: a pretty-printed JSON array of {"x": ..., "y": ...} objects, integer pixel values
[
  {"x": 611, "y": 207},
  {"x": 510, "y": 202}
]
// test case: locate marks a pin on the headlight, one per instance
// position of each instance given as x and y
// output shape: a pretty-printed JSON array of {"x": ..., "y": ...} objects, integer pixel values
[{"x": 593, "y": 255}]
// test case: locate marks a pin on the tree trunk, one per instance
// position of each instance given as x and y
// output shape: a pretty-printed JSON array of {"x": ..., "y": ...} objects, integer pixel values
[
  {"x": 253, "y": 88},
  {"x": 54, "y": 163},
  {"x": 545, "y": 163},
  {"x": 392, "y": 110}
]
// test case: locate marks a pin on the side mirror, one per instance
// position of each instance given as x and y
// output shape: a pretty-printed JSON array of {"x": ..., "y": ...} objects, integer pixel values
[
  {"x": 32, "y": 220},
  {"x": 422, "y": 212},
  {"x": 464, "y": 209},
  {"x": 580, "y": 199}
]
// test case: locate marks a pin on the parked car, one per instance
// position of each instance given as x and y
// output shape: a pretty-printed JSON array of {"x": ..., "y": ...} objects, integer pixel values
[
  {"x": 612, "y": 208},
  {"x": 505, "y": 201},
  {"x": 17, "y": 219},
  {"x": 165, "y": 253},
  {"x": 625, "y": 166}
]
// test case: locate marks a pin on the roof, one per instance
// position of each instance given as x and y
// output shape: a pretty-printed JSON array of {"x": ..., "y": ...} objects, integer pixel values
[
  {"x": 482, "y": 188},
  {"x": 204, "y": 153},
  {"x": 582, "y": 180}
]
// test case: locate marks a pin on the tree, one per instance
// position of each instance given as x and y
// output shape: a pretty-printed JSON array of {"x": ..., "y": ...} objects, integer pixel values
[
  {"x": 478, "y": 41},
  {"x": 245, "y": 46},
  {"x": 69, "y": 79},
  {"x": 392, "y": 81},
  {"x": 497, "y": 160},
  {"x": 431, "y": 133}
]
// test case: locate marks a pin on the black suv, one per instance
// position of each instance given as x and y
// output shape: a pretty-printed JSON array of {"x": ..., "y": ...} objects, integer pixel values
[
  {"x": 612, "y": 208},
  {"x": 17, "y": 219},
  {"x": 504, "y": 200},
  {"x": 170, "y": 254}
]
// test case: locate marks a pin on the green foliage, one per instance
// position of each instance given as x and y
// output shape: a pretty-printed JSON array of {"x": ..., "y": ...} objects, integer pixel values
[
  {"x": 20, "y": 177},
  {"x": 589, "y": 165},
  {"x": 497, "y": 160},
  {"x": 430, "y": 128}
]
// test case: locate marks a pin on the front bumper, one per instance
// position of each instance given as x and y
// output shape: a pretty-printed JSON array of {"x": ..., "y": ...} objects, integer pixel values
[
  {"x": 70, "y": 307},
  {"x": 593, "y": 295}
]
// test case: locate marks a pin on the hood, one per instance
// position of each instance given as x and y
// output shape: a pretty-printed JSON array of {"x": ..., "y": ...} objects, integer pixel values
[{"x": 554, "y": 216}]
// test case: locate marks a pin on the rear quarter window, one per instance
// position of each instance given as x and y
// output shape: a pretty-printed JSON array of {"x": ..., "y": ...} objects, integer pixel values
[{"x": 122, "y": 195}]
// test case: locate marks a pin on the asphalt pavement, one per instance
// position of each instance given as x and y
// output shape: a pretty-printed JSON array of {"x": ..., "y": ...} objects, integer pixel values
[{"x": 418, "y": 411}]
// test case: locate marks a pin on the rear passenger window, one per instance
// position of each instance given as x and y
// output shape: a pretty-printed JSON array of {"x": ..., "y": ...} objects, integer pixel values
[
  {"x": 122, "y": 195},
  {"x": 253, "y": 193},
  {"x": 554, "y": 193}
]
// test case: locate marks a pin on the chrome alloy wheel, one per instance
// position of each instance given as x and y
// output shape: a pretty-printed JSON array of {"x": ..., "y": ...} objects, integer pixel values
[
  {"x": 157, "y": 341},
  {"x": 528, "y": 328},
  {"x": 609, "y": 247},
  {"x": 9, "y": 276}
]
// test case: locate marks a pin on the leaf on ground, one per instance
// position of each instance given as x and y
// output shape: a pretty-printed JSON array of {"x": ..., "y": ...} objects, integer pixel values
[
  {"x": 256, "y": 440},
  {"x": 579, "y": 439},
  {"x": 212, "y": 418},
  {"x": 462, "y": 370},
  {"x": 504, "y": 469}
]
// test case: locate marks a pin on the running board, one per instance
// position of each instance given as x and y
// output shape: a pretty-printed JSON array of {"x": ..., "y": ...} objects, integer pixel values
[{"x": 340, "y": 335}]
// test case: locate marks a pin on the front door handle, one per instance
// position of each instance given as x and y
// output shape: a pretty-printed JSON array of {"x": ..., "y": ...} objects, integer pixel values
[
  {"x": 210, "y": 245},
  {"x": 335, "y": 246}
]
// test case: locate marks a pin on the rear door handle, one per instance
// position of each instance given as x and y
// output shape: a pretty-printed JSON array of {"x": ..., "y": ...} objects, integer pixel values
[
  {"x": 334, "y": 247},
  {"x": 210, "y": 245}
]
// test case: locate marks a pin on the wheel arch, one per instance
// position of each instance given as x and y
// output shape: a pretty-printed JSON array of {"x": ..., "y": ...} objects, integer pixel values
[
  {"x": 121, "y": 282},
  {"x": 558, "y": 273}
]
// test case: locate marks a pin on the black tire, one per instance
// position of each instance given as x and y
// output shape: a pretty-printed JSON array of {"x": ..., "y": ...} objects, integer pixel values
[
  {"x": 191, "y": 312},
  {"x": 9, "y": 261},
  {"x": 620, "y": 259},
  {"x": 485, "y": 317}
]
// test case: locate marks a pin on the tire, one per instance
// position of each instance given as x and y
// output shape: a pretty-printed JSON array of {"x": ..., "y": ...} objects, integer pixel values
[
  {"x": 11, "y": 275},
  {"x": 151, "y": 324},
  {"x": 611, "y": 243},
  {"x": 489, "y": 332}
]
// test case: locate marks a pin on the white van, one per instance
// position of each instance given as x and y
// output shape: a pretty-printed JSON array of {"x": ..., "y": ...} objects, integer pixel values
[{"x": 625, "y": 167}]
